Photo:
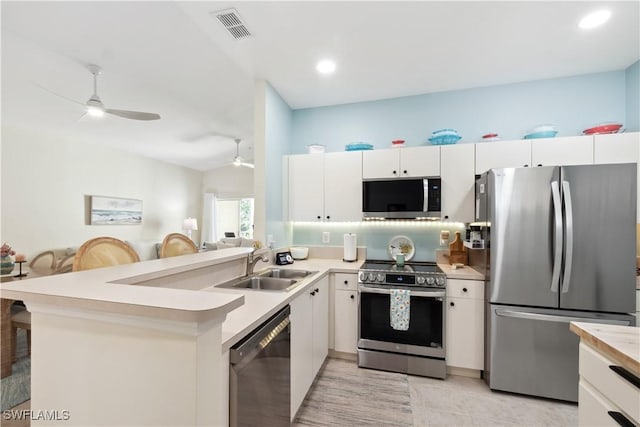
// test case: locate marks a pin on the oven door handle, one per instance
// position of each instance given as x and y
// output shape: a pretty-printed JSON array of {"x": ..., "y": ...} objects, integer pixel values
[{"x": 387, "y": 291}]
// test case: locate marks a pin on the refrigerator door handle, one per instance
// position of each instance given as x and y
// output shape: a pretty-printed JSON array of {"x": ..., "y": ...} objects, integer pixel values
[
  {"x": 557, "y": 257},
  {"x": 568, "y": 260},
  {"x": 552, "y": 318}
]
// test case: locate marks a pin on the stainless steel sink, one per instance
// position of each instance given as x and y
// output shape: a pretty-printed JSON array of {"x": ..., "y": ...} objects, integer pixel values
[
  {"x": 285, "y": 273},
  {"x": 261, "y": 283}
]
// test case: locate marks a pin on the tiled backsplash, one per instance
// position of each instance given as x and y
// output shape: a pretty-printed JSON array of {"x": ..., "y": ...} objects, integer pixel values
[{"x": 377, "y": 235}]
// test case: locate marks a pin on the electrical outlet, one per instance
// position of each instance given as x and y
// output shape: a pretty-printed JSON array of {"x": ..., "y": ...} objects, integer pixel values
[
  {"x": 326, "y": 237},
  {"x": 444, "y": 237}
]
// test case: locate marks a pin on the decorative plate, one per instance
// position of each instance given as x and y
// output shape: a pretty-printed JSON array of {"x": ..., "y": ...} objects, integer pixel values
[{"x": 403, "y": 245}]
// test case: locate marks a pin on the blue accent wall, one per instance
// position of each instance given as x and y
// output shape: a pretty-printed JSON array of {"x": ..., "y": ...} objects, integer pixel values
[
  {"x": 632, "y": 76},
  {"x": 572, "y": 104},
  {"x": 278, "y": 125}
]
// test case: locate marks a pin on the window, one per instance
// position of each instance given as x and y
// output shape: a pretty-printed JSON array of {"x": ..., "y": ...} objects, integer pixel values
[{"x": 234, "y": 215}]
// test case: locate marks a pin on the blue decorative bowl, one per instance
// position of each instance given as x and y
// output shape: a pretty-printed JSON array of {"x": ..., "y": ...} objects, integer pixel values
[
  {"x": 358, "y": 146},
  {"x": 545, "y": 134},
  {"x": 444, "y": 139}
]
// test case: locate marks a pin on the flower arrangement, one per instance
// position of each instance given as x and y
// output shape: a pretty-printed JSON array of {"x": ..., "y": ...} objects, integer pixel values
[{"x": 6, "y": 250}]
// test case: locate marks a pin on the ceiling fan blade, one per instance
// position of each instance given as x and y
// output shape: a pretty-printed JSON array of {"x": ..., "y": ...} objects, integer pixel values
[
  {"x": 60, "y": 96},
  {"x": 248, "y": 165},
  {"x": 134, "y": 115}
]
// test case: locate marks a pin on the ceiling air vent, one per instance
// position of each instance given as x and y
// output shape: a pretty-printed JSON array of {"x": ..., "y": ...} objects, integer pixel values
[{"x": 233, "y": 23}]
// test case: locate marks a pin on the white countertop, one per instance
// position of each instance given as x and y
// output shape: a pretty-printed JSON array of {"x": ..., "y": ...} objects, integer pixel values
[
  {"x": 107, "y": 289},
  {"x": 465, "y": 273},
  {"x": 260, "y": 305}
]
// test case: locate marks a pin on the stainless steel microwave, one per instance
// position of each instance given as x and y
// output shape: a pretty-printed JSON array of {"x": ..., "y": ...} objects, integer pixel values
[{"x": 401, "y": 198}]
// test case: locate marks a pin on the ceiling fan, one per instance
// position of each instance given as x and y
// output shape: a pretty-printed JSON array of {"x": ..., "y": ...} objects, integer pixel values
[
  {"x": 95, "y": 107},
  {"x": 239, "y": 161}
]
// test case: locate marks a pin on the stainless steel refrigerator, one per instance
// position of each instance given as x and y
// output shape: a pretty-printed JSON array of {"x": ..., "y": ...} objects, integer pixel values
[{"x": 561, "y": 248}]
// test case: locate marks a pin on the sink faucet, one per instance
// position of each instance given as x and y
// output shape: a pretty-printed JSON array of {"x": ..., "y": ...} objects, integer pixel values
[{"x": 252, "y": 260}]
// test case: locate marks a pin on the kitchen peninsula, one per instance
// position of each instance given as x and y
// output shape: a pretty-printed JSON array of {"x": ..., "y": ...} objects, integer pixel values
[{"x": 134, "y": 344}]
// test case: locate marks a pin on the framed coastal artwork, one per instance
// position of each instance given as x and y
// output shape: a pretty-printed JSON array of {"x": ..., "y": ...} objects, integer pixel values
[{"x": 115, "y": 211}]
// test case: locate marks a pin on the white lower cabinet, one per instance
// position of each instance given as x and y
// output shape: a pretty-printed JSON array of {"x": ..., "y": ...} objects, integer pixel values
[
  {"x": 464, "y": 324},
  {"x": 309, "y": 339},
  {"x": 604, "y": 394},
  {"x": 345, "y": 312}
]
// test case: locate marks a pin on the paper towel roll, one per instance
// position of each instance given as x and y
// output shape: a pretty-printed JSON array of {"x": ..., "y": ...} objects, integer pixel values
[{"x": 350, "y": 247}]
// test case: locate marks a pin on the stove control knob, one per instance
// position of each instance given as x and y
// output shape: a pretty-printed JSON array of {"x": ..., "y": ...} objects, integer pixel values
[
  {"x": 430, "y": 280},
  {"x": 372, "y": 277},
  {"x": 440, "y": 281},
  {"x": 420, "y": 280},
  {"x": 380, "y": 277},
  {"x": 363, "y": 277}
]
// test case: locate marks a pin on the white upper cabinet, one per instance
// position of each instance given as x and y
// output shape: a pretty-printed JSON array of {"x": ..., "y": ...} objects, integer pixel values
[
  {"x": 419, "y": 161},
  {"x": 502, "y": 154},
  {"x": 325, "y": 187},
  {"x": 564, "y": 151},
  {"x": 401, "y": 162},
  {"x": 306, "y": 187},
  {"x": 343, "y": 186},
  {"x": 616, "y": 148},
  {"x": 458, "y": 182}
]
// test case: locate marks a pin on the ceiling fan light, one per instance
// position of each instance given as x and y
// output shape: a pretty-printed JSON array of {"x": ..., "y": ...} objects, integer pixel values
[
  {"x": 95, "y": 111},
  {"x": 237, "y": 161}
]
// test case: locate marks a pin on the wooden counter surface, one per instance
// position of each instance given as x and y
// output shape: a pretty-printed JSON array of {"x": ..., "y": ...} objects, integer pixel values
[{"x": 620, "y": 343}]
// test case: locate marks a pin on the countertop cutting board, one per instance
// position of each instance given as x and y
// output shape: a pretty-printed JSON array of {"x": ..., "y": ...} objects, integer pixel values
[{"x": 457, "y": 251}]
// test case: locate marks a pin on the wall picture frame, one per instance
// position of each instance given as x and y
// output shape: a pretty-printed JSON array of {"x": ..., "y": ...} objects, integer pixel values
[{"x": 115, "y": 211}]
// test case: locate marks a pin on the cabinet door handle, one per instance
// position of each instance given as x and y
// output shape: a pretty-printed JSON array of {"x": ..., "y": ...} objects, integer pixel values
[
  {"x": 346, "y": 282},
  {"x": 539, "y": 164},
  {"x": 404, "y": 171},
  {"x": 452, "y": 303},
  {"x": 317, "y": 290},
  {"x": 313, "y": 293},
  {"x": 621, "y": 419},
  {"x": 446, "y": 217},
  {"x": 328, "y": 217},
  {"x": 395, "y": 173},
  {"x": 629, "y": 376},
  {"x": 464, "y": 289},
  {"x": 352, "y": 296},
  {"x": 319, "y": 217},
  {"x": 526, "y": 166}
]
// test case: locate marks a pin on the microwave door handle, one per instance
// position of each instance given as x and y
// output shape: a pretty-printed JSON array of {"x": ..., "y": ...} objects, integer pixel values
[{"x": 425, "y": 188}]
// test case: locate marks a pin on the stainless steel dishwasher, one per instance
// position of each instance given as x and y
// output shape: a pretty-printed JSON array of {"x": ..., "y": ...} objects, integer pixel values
[{"x": 259, "y": 375}]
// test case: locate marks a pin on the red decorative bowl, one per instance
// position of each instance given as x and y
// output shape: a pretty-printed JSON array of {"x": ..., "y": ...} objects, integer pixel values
[{"x": 603, "y": 128}]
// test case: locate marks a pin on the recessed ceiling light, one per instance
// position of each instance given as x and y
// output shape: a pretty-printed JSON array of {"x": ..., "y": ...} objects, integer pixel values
[
  {"x": 594, "y": 19},
  {"x": 326, "y": 66}
]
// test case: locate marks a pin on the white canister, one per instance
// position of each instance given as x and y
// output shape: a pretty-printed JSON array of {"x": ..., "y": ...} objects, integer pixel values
[{"x": 350, "y": 247}]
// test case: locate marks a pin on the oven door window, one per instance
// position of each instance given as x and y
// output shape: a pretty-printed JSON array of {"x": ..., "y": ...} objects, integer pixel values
[{"x": 425, "y": 321}]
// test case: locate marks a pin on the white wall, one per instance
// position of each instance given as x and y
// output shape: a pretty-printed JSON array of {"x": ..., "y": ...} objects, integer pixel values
[
  {"x": 45, "y": 181},
  {"x": 229, "y": 182},
  {"x": 272, "y": 127}
]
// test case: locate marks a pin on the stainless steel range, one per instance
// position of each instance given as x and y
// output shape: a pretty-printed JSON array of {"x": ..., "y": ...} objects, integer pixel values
[{"x": 418, "y": 350}]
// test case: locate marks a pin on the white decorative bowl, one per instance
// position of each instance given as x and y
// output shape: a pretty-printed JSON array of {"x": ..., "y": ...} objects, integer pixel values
[{"x": 299, "y": 252}]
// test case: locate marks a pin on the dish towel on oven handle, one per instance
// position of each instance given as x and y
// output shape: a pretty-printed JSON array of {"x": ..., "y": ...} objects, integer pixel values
[{"x": 400, "y": 306}]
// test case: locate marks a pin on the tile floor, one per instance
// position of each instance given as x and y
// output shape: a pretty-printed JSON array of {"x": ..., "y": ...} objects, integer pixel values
[{"x": 345, "y": 395}]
